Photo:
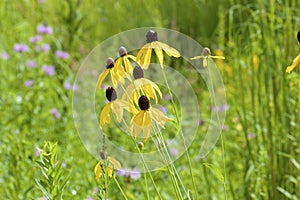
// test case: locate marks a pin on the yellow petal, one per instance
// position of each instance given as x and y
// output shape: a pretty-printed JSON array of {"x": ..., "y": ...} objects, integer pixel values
[
  {"x": 159, "y": 117},
  {"x": 98, "y": 170},
  {"x": 104, "y": 115},
  {"x": 142, "y": 52},
  {"x": 147, "y": 132},
  {"x": 117, "y": 107},
  {"x": 197, "y": 57},
  {"x": 159, "y": 54},
  {"x": 142, "y": 119},
  {"x": 169, "y": 50},
  {"x": 114, "y": 163},
  {"x": 217, "y": 57},
  {"x": 128, "y": 65},
  {"x": 131, "y": 57},
  {"x": 294, "y": 64},
  {"x": 102, "y": 76}
]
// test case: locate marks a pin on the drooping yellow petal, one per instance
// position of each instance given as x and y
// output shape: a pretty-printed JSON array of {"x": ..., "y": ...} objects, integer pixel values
[
  {"x": 98, "y": 170},
  {"x": 159, "y": 54},
  {"x": 104, "y": 115},
  {"x": 146, "y": 132},
  {"x": 142, "y": 119},
  {"x": 116, "y": 164},
  {"x": 142, "y": 53},
  {"x": 169, "y": 50},
  {"x": 217, "y": 57},
  {"x": 102, "y": 76},
  {"x": 127, "y": 63},
  {"x": 131, "y": 57},
  {"x": 294, "y": 64},
  {"x": 117, "y": 107},
  {"x": 159, "y": 117},
  {"x": 197, "y": 57},
  {"x": 144, "y": 56}
]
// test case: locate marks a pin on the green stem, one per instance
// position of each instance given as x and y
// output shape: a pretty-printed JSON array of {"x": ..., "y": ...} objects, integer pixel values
[{"x": 119, "y": 189}]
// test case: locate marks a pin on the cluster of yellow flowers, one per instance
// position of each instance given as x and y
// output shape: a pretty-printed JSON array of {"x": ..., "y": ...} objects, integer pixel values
[
  {"x": 139, "y": 92},
  {"x": 137, "y": 95}
]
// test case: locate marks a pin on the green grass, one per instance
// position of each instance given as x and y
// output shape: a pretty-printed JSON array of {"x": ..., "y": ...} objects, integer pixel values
[{"x": 261, "y": 143}]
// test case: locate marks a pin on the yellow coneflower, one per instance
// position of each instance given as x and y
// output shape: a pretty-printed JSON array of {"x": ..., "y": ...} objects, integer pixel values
[
  {"x": 109, "y": 166},
  {"x": 116, "y": 73},
  {"x": 205, "y": 55},
  {"x": 144, "y": 55},
  {"x": 124, "y": 59},
  {"x": 143, "y": 86},
  {"x": 114, "y": 104},
  {"x": 142, "y": 120}
]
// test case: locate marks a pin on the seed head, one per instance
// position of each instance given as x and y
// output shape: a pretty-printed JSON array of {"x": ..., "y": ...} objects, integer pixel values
[
  {"x": 122, "y": 51},
  {"x": 206, "y": 51},
  {"x": 110, "y": 63},
  {"x": 111, "y": 94},
  {"x": 144, "y": 103},
  {"x": 151, "y": 36},
  {"x": 138, "y": 72}
]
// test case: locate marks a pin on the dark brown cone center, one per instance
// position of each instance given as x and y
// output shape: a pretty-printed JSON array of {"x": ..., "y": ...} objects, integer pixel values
[
  {"x": 111, "y": 94},
  {"x": 144, "y": 103},
  {"x": 151, "y": 36},
  {"x": 138, "y": 72}
]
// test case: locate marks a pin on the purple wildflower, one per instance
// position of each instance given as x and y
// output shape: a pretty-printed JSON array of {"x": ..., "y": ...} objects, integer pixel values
[
  {"x": 134, "y": 173},
  {"x": 44, "y": 29},
  {"x": 55, "y": 113},
  {"x": 88, "y": 198},
  {"x": 163, "y": 109},
  {"x": 28, "y": 83},
  {"x": 64, "y": 164},
  {"x": 49, "y": 70},
  {"x": 167, "y": 97},
  {"x": 31, "y": 63},
  {"x": 37, "y": 152},
  {"x": 173, "y": 151},
  {"x": 4, "y": 56},
  {"x": 67, "y": 86},
  {"x": 41, "y": 1},
  {"x": 37, "y": 48},
  {"x": 21, "y": 48},
  {"x": 221, "y": 108},
  {"x": 46, "y": 47},
  {"x": 62, "y": 54},
  {"x": 35, "y": 39}
]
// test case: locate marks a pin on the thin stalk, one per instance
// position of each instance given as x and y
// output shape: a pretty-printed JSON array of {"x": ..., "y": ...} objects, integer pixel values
[
  {"x": 121, "y": 190},
  {"x": 181, "y": 134},
  {"x": 223, "y": 148}
]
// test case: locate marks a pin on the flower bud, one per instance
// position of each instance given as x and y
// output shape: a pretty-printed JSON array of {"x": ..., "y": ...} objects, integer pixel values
[{"x": 140, "y": 145}]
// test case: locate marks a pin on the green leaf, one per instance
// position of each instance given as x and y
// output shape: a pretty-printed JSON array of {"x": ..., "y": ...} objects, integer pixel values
[
  {"x": 45, "y": 192},
  {"x": 286, "y": 193},
  {"x": 215, "y": 172}
]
